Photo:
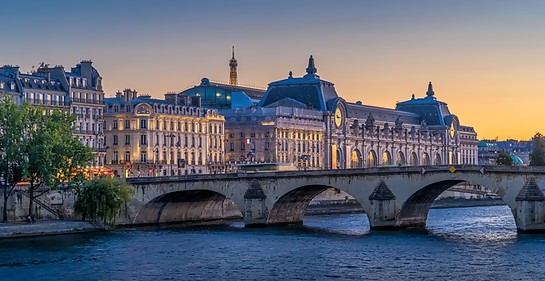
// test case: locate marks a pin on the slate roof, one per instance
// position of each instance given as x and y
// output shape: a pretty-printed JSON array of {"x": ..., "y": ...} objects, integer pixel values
[
  {"x": 381, "y": 114},
  {"x": 434, "y": 112},
  {"x": 309, "y": 90},
  {"x": 287, "y": 102}
]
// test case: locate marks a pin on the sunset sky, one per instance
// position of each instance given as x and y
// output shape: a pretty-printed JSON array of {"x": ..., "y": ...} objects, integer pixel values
[{"x": 486, "y": 59}]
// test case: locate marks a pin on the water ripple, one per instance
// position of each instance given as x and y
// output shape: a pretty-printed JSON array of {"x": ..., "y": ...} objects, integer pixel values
[{"x": 457, "y": 244}]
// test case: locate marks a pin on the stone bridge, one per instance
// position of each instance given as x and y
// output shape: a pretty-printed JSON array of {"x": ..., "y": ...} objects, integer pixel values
[{"x": 392, "y": 197}]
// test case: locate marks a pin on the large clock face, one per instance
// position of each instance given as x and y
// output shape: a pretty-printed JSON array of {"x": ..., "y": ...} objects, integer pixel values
[{"x": 338, "y": 117}]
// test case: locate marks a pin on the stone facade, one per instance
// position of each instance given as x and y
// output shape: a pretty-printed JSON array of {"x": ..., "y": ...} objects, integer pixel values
[
  {"x": 79, "y": 91},
  {"x": 152, "y": 137},
  {"x": 274, "y": 134}
]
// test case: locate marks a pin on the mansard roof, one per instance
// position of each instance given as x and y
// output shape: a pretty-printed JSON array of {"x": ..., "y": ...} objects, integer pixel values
[
  {"x": 381, "y": 114},
  {"x": 309, "y": 90},
  {"x": 434, "y": 112},
  {"x": 288, "y": 102}
]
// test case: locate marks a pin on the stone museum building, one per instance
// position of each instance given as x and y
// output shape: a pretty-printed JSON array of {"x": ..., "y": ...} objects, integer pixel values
[{"x": 302, "y": 121}]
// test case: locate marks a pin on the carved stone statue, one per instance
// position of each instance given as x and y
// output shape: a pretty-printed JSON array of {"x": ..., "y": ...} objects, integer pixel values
[
  {"x": 398, "y": 125},
  {"x": 423, "y": 126},
  {"x": 355, "y": 127},
  {"x": 370, "y": 122}
]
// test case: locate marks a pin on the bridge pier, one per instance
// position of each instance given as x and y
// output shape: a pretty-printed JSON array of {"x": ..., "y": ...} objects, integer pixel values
[
  {"x": 255, "y": 209},
  {"x": 383, "y": 214},
  {"x": 530, "y": 208}
]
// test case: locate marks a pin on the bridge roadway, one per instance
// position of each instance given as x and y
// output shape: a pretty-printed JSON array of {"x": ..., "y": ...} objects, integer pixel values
[{"x": 392, "y": 197}]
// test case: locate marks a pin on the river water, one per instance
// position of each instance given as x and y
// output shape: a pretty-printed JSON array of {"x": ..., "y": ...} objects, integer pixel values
[{"x": 477, "y": 243}]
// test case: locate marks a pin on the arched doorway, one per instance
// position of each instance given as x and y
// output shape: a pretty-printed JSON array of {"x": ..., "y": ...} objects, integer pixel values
[
  {"x": 355, "y": 159},
  {"x": 372, "y": 159},
  {"x": 400, "y": 159},
  {"x": 386, "y": 158},
  {"x": 425, "y": 159}
]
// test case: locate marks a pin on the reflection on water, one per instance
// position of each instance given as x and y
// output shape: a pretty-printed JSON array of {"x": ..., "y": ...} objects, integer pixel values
[{"x": 458, "y": 244}]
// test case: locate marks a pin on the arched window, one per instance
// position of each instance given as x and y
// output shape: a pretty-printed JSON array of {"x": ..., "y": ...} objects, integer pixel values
[
  {"x": 355, "y": 159},
  {"x": 400, "y": 160},
  {"x": 371, "y": 159},
  {"x": 386, "y": 158},
  {"x": 425, "y": 159}
]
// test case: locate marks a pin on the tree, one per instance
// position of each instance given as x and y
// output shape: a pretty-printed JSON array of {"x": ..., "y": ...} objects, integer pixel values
[
  {"x": 55, "y": 156},
  {"x": 13, "y": 162},
  {"x": 504, "y": 159},
  {"x": 101, "y": 199},
  {"x": 537, "y": 156}
]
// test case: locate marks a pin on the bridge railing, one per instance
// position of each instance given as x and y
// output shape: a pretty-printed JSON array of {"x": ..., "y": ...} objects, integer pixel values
[{"x": 338, "y": 172}]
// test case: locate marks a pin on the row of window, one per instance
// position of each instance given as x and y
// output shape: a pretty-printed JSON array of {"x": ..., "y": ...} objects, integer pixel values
[
  {"x": 165, "y": 109},
  {"x": 181, "y": 126},
  {"x": 44, "y": 98},
  {"x": 190, "y": 158},
  {"x": 87, "y": 111},
  {"x": 87, "y": 97},
  {"x": 186, "y": 141}
]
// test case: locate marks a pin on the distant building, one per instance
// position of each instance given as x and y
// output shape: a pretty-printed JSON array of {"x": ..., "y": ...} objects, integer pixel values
[
  {"x": 303, "y": 121},
  {"x": 222, "y": 95},
  {"x": 518, "y": 150},
  {"x": 275, "y": 134},
  {"x": 79, "y": 91},
  {"x": 469, "y": 151},
  {"x": 153, "y": 137},
  {"x": 34, "y": 87}
]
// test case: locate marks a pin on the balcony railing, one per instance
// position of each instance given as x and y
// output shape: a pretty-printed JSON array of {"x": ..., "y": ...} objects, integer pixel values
[
  {"x": 47, "y": 102},
  {"x": 91, "y": 101},
  {"x": 87, "y": 132}
]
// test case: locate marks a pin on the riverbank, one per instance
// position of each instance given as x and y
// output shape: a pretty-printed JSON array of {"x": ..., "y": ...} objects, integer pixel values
[
  {"x": 46, "y": 228},
  {"x": 462, "y": 203},
  {"x": 352, "y": 206}
]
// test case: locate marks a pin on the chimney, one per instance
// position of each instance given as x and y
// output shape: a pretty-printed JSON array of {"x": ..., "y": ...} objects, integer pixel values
[
  {"x": 86, "y": 69},
  {"x": 171, "y": 98}
]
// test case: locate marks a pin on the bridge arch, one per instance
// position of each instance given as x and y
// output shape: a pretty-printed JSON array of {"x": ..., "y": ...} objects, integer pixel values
[
  {"x": 187, "y": 206},
  {"x": 415, "y": 208},
  {"x": 290, "y": 207}
]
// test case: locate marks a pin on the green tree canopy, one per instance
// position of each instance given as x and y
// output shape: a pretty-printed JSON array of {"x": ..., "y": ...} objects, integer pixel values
[
  {"x": 537, "y": 156},
  {"x": 13, "y": 163},
  {"x": 100, "y": 200},
  {"x": 504, "y": 159},
  {"x": 55, "y": 156}
]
